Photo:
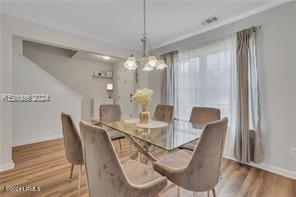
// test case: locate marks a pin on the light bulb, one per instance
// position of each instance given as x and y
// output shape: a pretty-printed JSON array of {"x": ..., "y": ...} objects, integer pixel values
[
  {"x": 161, "y": 65},
  {"x": 152, "y": 61},
  {"x": 147, "y": 68},
  {"x": 130, "y": 63}
]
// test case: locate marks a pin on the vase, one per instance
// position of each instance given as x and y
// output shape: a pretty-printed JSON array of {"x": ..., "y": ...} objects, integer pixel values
[{"x": 144, "y": 115}]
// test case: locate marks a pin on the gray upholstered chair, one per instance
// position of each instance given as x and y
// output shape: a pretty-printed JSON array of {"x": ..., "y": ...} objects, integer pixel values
[
  {"x": 201, "y": 116},
  {"x": 163, "y": 113},
  {"x": 199, "y": 171},
  {"x": 109, "y": 113},
  {"x": 73, "y": 147},
  {"x": 107, "y": 177}
]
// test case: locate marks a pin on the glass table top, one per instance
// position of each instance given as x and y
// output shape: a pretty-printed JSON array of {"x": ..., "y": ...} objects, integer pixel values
[{"x": 160, "y": 134}]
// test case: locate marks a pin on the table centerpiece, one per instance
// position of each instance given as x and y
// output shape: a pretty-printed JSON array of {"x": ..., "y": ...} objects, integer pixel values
[{"x": 143, "y": 97}]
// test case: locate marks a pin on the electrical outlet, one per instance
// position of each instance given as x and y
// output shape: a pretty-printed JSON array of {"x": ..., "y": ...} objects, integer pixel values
[{"x": 293, "y": 151}]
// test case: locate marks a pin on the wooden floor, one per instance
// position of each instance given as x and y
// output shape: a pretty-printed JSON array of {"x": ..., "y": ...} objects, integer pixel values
[{"x": 44, "y": 165}]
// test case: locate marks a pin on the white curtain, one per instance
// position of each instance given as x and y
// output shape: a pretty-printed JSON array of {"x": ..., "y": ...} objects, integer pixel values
[
  {"x": 168, "y": 78},
  {"x": 206, "y": 77},
  {"x": 254, "y": 105}
]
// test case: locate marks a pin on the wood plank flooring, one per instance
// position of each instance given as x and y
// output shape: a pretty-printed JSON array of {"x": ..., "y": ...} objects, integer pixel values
[{"x": 44, "y": 165}]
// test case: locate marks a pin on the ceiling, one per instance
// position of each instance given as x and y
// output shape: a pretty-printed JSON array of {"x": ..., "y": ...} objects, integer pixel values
[
  {"x": 120, "y": 22},
  {"x": 89, "y": 56}
]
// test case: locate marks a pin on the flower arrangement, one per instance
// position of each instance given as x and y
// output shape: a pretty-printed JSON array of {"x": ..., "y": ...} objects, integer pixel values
[{"x": 143, "y": 97}]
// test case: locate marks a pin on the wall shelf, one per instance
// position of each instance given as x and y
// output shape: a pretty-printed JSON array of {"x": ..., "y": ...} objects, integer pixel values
[
  {"x": 102, "y": 74},
  {"x": 101, "y": 77}
]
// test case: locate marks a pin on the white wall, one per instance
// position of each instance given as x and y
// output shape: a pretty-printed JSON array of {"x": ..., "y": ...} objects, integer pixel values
[
  {"x": 294, "y": 76},
  {"x": 34, "y": 122},
  {"x": 5, "y": 154},
  {"x": 1, "y": 6},
  {"x": 155, "y": 84},
  {"x": 6, "y": 108},
  {"x": 276, "y": 42},
  {"x": 124, "y": 86},
  {"x": 42, "y": 34},
  {"x": 73, "y": 72}
]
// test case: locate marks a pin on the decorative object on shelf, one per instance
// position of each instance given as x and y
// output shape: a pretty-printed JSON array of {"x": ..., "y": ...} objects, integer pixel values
[
  {"x": 149, "y": 61},
  {"x": 102, "y": 74},
  {"x": 109, "y": 88},
  {"x": 143, "y": 97},
  {"x": 109, "y": 74}
]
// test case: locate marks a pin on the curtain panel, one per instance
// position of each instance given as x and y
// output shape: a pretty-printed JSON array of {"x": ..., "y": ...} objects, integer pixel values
[
  {"x": 205, "y": 76},
  {"x": 248, "y": 142},
  {"x": 168, "y": 78},
  {"x": 221, "y": 74}
]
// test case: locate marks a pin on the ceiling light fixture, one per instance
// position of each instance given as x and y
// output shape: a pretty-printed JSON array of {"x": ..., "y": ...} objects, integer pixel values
[{"x": 149, "y": 61}]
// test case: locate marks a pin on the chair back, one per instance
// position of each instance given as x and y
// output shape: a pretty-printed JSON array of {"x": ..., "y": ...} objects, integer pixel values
[
  {"x": 104, "y": 172},
  {"x": 72, "y": 141},
  {"x": 204, "y": 115},
  {"x": 110, "y": 112},
  {"x": 163, "y": 113},
  {"x": 202, "y": 172}
]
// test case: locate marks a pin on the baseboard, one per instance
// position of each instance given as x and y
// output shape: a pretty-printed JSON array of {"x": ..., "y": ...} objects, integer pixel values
[
  {"x": 7, "y": 166},
  {"x": 31, "y": 141},
  {"x": 274, "y": 169}
]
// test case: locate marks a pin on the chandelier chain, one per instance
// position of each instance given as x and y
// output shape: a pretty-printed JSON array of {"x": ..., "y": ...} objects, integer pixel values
[
  {"x": 150, "y": 61},
  {"x": 144, "y": 13}
]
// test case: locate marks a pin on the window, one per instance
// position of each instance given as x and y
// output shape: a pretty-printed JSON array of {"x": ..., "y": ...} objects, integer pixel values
[{"x": 205, "y": 77}]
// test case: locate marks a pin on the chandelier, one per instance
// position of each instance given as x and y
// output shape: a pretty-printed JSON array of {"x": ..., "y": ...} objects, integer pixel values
[{"x": 149, "y": 61}]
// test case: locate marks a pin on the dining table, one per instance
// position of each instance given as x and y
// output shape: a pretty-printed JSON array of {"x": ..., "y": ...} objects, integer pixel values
[{"x": 144, "y": 136}]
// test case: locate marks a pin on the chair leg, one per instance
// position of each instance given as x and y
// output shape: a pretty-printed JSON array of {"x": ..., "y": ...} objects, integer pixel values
[
  {"x": 194, "y": 194},
  {"x": 120, "y": 145},
  {"x": 139, "y": 157},
  {"x": 71, "y": 172},
  {"x": 214, "y": 192},
  {"x": 178, "y": 191},
  {"x": 79, "y": 180},
  {"x": 208, "y": 193}
]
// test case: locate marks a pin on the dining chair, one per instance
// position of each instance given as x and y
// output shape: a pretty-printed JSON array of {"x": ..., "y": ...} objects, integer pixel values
[
  {"x": 73, "y": 147},
  {"x": 163, "y": 113},
  {"x": 107, "y": 176},
  {"x": 199, "y": 171},
  {"x": 201, "y": 116},
  {"x": 109, "y": 113}
]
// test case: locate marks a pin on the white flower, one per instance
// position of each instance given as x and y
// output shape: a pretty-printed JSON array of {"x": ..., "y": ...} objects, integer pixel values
[{"x": 144, "y": 96}]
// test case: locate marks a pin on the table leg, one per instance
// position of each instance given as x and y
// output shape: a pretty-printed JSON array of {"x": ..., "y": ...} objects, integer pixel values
[{"x": 143, "y": 149}]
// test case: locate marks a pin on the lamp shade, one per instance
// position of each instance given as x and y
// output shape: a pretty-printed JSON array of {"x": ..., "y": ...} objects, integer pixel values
[
  {"x": 109, "y": 86},
  {"x": 130, "y": 63},
  {"x": 161, "y": 65},
  {"x": 147, "y": 68},
  {"x": 152, "y": 61}
]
